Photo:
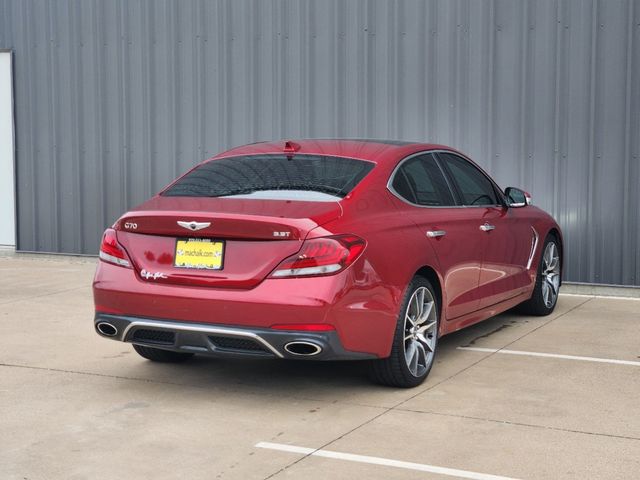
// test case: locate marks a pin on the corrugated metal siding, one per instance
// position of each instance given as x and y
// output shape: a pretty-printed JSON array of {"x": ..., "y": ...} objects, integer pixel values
[{"x": 114, "y": 99}]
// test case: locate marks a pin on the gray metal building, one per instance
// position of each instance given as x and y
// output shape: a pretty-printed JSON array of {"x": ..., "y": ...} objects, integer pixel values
[{"x": 112, "y": 99}]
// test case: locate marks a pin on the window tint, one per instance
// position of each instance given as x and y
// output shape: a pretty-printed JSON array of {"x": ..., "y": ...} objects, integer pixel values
[
  {"x": 420, "y": 181},
  {"x": 301, "y": 177},
  {"x": 474, "y": 186}
]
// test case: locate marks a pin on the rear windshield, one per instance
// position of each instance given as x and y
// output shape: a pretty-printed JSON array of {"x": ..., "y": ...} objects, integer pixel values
[{"x": 300, "y": 177}]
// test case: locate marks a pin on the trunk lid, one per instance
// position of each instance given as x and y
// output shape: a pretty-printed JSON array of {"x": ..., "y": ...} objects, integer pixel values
[{"x": 256, "y": 236}]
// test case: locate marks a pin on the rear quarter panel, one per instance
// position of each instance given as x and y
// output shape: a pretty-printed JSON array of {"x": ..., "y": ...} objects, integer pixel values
[{"x": 368, "y": 310}]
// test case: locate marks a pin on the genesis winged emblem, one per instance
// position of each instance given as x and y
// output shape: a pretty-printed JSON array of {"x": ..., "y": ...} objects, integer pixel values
[{"x": 193, "y": 226}]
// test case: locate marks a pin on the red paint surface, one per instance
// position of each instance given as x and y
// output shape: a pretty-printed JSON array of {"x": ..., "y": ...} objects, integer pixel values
[{"x": 481, "y": 273}]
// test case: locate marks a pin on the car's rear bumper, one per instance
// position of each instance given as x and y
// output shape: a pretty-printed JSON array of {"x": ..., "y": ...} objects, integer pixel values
[
  {"x": 363, "y": 314},
  {"x": 223, "y": 340}
]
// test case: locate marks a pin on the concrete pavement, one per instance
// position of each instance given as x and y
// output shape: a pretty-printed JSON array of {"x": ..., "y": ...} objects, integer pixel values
[{"x": 75, "y": 406}]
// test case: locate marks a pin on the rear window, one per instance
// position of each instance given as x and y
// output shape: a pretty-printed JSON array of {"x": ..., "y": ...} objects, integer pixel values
[{"x": 301, "y": 177}]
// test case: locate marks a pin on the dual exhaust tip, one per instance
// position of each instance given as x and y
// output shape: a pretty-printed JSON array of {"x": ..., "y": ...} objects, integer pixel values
[
  {"x": 303, "y": 349},
  {"x": 106, "y": 329}
]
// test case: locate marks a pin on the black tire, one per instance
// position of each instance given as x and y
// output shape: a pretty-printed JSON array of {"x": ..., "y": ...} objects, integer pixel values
[
  {"x": 159, "y": 355},
  {"x": 394, "y": 371},
  {"x": 539, "y": 304}
]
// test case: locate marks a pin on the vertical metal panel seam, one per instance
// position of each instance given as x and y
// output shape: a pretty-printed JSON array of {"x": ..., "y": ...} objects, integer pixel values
[
  {"x": 453, "y": 44},
  {"x": 201, "y": 101},
  {"x": 122, "y": 117},
  {"x": 128, "y": 67},
  {"x": 243, "y": 37},
  {"x": 225, "y": 72},
  {"x": 456, "y": 77},
  {"x": 27, "y": 157},
  {"x": 100, "y": 59},
  {"x": 370, "y": 111},
  {"x": 253, "y": 43},
  {"x": 592, "y": 132},
  {"x": 490, "y": 132},
  {"x": 359, "y": 62},
  {"x": 464, "y": 60},
  {"x": 335, "y": 45},
  {"x": 77, "y": 130},
  {"x": 422, "y": 45},
  {"x": 4, "y": 22},
  {"x": 343, "y": 69},
  {"x": 339, "y": 14},
  {"x": 524, "y": 83},
  {"x": 304, "y": 59},
  {"x": 6, "y": 17},
  {"x": 533, "y": 33},
  {"x": 148, "y": 89},
  {"x": 283, "y": 70},
  {"x": 563, "y": 114},
  {"x": 485, "y": 29},
  {"x": 636, "y": 146},
  {"x": 431, "y": 66},
  {"x": 174, "y": 75},
  {"x": 275, "y": 68},
  {"x": 53, "y": 109},
  {"x": 557, "y": 101},
  {"x": 627, "y": 264},
  {"x": 331, "y": 42},
  {"x": 392, "y": 69}
]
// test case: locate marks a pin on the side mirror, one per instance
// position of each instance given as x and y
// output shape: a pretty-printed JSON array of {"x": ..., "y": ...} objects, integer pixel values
[{"x": 517, "y": 198}]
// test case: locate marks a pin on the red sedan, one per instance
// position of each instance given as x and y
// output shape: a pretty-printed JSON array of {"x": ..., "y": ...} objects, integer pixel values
[{"x": 327, "y": 250}]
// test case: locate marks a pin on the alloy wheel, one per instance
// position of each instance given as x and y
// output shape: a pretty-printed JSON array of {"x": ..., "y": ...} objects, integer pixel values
[
  {"x": 420, "y": 331},
  {"x": 550, "y": 274}
]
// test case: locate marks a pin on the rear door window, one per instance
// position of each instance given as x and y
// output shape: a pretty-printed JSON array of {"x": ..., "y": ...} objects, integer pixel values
[
  {"x": 277, "y": 177},
  {"x": 419, "y": 180},
  {"x": 474, "y": 186}
]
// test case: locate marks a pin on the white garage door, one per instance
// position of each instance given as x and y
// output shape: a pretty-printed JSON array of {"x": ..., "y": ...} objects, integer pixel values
[{"x": 7, "y": 179}]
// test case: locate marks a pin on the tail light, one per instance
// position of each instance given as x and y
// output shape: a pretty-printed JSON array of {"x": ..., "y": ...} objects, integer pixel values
[
  {"x": 111, "y": 251},
  {"x": 321, "y": 256}
]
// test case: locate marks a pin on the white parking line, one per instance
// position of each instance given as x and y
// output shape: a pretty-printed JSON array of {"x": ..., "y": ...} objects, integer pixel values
[
  {"x": 603, "y": 297},
  {"x": 553, "y": 355},
  {"x": 350, "y": 457}
]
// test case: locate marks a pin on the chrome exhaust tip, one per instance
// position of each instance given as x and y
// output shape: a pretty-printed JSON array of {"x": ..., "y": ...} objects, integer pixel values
[
  {"x": 304, "y": 349},
  {"x": 106, "y": 329}
]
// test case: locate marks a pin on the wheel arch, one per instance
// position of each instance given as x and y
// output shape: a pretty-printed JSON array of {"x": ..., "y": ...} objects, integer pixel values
[
  {"x": 555, "y": 231},
  {"x": 430, "y": 274}
]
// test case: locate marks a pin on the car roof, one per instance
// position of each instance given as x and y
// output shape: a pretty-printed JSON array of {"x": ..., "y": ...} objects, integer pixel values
[{"x": 375, "y": 150}]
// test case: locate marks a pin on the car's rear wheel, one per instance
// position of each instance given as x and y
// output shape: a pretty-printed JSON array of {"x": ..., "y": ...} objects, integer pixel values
[
  {"x": 415, "y": 339},
  {"x": 545, "y": 293},
  {"x": 159, "y": 355}
]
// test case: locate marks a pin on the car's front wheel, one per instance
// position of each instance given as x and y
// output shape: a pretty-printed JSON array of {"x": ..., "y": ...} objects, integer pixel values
[
  {"x": 415, "y": 340},
  {"x": 159, "y": 355},
  {"x": 545, "y": 293}
]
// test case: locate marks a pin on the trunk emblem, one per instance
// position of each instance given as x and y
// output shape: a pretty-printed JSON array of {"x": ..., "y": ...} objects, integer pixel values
[
  {"x": 154, "y": 276},
  {"x": 193, "y": 226}
]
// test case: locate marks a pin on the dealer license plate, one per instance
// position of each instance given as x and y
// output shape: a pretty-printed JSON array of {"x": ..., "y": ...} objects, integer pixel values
[{"x": 199, "y": 253}]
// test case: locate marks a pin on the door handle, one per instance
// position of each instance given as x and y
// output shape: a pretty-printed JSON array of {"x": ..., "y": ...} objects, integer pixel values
[
  {"x": 436, "y": 233},
  {"x": 487, "y": 227}
]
